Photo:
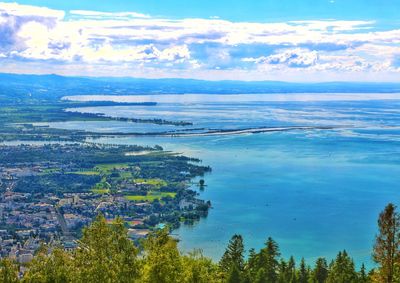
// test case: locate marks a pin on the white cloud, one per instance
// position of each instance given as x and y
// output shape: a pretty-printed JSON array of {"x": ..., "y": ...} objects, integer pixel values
[
  {"x": 298, "y": 58},
  {"x": 27, "y": 10},
  {"x": 97, "y": 14},
  {"x": 101, "y": 41},
  {"x": 335, "y": 26},
  {"x": 175, "y": 53}
]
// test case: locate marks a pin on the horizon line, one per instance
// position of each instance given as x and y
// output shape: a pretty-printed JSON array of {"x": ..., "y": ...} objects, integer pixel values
[{"x": 199, "y": 79}]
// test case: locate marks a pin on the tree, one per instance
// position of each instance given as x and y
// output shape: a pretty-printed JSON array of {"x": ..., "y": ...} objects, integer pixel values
[
  {"x": 124, "y": 253},
  {"x": 251, "y": 267},
  {"x": 283, "y": 272},
  {"x": 292, "y": 270},
  {"x": 386, "y": 248},
  {"x": 233, "y": 256},
  {"x": 201, "y": 183},
  {"x": 362, "y": 275},
  {"x": 268, "y": 260},
  {"x": 342, "y": 270},
  {"x": 234, "y": 275},
  {"x": 287, "y": 271},
  {"x": 162, "y": 260},
  {"x": 8, "y": 271},
  {"x": 56, "y": 266},
  {"x": 320, "y": 272},
  {"x": 303, "y": 272},
  {"x": 105, "y": 253},
  {"x": 261, "y": 276},
  {"x": 199, "y": 269}
]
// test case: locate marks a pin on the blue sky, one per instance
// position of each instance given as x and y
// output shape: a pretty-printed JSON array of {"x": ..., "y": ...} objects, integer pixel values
[
  {"x": 288, "y": 40},
  {"x": 241, "y": 10}
]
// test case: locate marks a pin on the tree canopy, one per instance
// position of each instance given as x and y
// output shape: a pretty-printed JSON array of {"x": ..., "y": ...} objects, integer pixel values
[{"x": 106, "y": 254}]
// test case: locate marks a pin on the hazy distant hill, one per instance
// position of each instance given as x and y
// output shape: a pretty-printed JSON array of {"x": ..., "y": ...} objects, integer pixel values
[{"x": 14, "y": 86}]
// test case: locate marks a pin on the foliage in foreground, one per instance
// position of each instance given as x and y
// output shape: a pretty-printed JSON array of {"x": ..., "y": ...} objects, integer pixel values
[{"x": 105, "y": 254}]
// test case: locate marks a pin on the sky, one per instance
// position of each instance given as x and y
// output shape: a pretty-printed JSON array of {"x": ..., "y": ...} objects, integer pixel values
[{"x": 285, "y": 40}]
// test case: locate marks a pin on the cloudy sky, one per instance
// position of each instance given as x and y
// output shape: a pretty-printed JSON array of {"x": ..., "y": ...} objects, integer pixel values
[{"x": 286, "y": 40}]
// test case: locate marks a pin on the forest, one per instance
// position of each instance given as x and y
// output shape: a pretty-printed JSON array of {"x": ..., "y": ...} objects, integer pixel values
[{"x": 106, "y": 254}]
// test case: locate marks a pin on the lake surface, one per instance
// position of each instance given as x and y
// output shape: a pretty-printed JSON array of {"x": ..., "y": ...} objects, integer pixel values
[{"x": 314, "y": 191}]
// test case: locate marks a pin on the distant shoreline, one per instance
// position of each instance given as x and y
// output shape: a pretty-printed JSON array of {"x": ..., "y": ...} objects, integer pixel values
[
  {"x": 226, "y": 132},
  {"x": 233, "y": 97}
]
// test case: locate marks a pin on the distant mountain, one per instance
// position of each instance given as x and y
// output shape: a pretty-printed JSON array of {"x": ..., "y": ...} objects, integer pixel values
[{"x": 13, "y": 86}]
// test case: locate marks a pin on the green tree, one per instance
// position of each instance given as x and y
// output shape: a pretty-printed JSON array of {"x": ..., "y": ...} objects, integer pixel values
[
  {"x": 234, "y": 255},
  {"x": 320, "y": 272},
  {"x": 199, "y": 269},
  {"x": 105, "y": 253},
  {"x": 386, "y": 248},
  {"x": 162, "y": 260},
  {"x": 232, "y": 262},
  {"x": 292, "y": 270},
  {"x": 261, "y": 276},
  {"x": 283, "y": 272},
  {"x": 124, "y": 253},
  {"x": 287, "y": 271},
  {"x": 47, "y": 267},
  {"x": 303, "y": 273},
  {"x": 268, "y": 260},
  {"x": 342, "y": 270},
  {"x": 234, "y": 275},
  {"x": 362, "y": 275},
  {"x": 8, "y": 271},
  {"x": 251, "y": 267}
]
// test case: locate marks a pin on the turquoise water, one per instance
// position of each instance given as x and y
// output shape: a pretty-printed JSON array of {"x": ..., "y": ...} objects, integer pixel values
[
  {"x": 315, "y": 192},
  {"x": 109, "y": 126}
]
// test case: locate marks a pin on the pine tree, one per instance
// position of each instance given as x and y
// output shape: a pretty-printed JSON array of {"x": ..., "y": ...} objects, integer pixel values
[
  {"x": 234, "y": 255},
  {"x": 232, "y": 261},
  {"x": 320, "y": 272},
  {"x": 342, "y": 270},
  {"x": 303, "y": 272},
  {"x": 251, "y": 267},
  {"x": 234, "y": 275},
  {"x": 292, "y": 270},
  {"x": 287, "y": 271},
  {"x": 387, "y": 243},
  {"x": 283, "y": 270},
  {"x": 362, "y": 275},
  {"x": 261, "y": 276},
  {"x": 269, "y": 260}
]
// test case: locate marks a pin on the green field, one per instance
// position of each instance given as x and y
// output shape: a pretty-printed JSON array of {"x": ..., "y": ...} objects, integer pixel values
[
  {"x": 103, "y": 187},
  {"x": 107, "y": 168},
  {"x": 150, "y": 196},
  {"x": 100, "y": 191},
  {"x": 87, "y": 173},
  {"x": 123, "y": 175},
  {"x": 157, "y": 183}
]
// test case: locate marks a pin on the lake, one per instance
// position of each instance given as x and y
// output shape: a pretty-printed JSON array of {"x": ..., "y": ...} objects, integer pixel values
[{"x": 314, "y": 191}]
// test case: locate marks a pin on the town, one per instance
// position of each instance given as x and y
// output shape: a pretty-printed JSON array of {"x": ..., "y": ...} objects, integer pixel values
[{"x": 49, "y": 192}]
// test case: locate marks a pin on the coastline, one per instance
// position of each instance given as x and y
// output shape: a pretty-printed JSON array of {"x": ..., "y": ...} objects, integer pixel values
[{"x": 224, "y": 132}]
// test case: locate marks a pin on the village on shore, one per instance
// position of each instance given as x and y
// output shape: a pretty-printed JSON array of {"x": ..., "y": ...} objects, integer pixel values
[{"x": 148, "y": 188}]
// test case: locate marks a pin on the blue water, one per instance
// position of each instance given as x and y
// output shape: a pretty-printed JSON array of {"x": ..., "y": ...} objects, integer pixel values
[
  {"x": 109, "y": 126},
  {"x": 315, "y": 192}
]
